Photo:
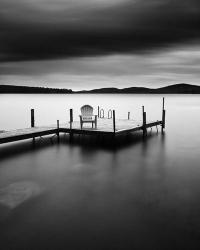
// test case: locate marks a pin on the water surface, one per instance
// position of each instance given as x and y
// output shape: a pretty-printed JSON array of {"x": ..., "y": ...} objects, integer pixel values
[{"x": 140, "y": 195}]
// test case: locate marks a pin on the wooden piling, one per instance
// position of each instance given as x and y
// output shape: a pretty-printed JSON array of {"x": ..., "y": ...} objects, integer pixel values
[
  {"x": 128, "y": 115},
  {"x": 33, "y": 123},
  {"x": 71, "y": 121},
  {"x": 32, "y": 118},
  {"x": 71, "y": 118},
  {"x": 163, "y": 115},
  {"x": 163, "y": 120},
  {"x": 114, "y": 128},
  {"x": 98, "y": 111},
  {"x": 163, "y": 103},
  {"x": 58, "y": 129},
  {"x": 142, "y": 109},
  {"x": 144, "y": 122}
]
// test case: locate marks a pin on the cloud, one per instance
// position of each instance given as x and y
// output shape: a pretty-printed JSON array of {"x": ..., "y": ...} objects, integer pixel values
[
  {"x": 180, "y": 64},
  {"x": 35, "y": 30}
]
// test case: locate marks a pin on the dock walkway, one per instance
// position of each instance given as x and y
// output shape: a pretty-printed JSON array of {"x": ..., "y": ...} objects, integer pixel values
[{"x": 104, "y": 127}]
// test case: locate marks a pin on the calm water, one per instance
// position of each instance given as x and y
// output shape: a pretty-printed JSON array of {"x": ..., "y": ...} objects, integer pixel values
[{"x": 142, "y": 195}]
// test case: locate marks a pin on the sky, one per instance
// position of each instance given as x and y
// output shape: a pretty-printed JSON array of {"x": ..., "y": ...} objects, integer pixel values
[{"x": 86, "y": 44}]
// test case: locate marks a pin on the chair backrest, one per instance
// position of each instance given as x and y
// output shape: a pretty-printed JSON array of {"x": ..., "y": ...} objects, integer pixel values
[{"x": 86, "y": 110}]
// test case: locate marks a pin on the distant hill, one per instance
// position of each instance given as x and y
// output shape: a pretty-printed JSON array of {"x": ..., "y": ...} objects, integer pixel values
[
  {"x": 132, "y": 90},
  {"x": 181, "y": 88},
  {"x": 12, "y": 89}
]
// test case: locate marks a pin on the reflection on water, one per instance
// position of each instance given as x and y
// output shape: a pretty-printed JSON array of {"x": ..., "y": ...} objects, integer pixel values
[{"x": 136, "y": 195}]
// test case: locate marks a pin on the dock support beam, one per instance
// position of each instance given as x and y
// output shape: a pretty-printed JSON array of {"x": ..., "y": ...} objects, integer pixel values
[
  {"x": 71, "y": 121},
  {"x": 144, "y": 122},
  {"x": 98, "y": 111},
  {"x": 33, "y": 122},
  {"x": 163, "y": 115},
  {"x": 128, "y": 115}
]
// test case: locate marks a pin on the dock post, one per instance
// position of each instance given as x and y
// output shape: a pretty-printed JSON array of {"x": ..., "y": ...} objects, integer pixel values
[
  {"x": 114, "y": 128},
  {"x": 163, "y": 115},
  {"x": 144, "y": 122},
  {"x": 33, "y": 122},
  {"x": 71, "y": 118},
  {"x": 71, "y": 121},
  {"x": 128, "y": 115},
  {"x": 32, "y": 118},
  {"x": 98, "y": 111},
  {"x": 58, "y": 127}
]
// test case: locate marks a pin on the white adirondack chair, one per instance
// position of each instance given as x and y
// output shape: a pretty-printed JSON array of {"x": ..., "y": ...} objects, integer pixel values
[{"x": 87, "y": 116}]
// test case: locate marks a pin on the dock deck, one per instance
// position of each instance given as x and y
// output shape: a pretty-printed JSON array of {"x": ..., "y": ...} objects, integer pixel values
[{"x": 104, "y": 127}]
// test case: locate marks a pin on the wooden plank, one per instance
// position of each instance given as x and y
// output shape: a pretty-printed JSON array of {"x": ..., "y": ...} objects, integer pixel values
[
  {"x": 123, "y": 131},
  {"x": 86, "y": 131},
  {"x": 153, "y": 124},
  {"x": 25, "y": 136},
  {"x": 134, "y": 129}
]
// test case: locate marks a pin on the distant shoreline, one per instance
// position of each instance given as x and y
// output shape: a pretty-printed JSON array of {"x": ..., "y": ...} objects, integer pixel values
[{"x": 181, "y": 88}]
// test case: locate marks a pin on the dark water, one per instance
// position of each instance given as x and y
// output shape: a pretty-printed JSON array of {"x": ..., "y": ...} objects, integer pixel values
[{"x": 138, "y": 195}]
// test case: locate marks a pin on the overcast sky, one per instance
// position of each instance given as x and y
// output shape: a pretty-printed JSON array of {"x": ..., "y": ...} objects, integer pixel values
[{"x": 84, "y": 44}]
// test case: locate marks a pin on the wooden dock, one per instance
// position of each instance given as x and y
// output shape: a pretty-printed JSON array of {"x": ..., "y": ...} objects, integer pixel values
[{"x": 105, "y": 127}]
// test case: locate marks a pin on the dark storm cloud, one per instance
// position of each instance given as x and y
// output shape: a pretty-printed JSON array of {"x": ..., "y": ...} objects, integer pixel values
[{"x": 42, "y": 29}]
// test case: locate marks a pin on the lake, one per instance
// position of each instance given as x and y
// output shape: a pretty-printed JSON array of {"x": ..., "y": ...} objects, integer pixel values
[{"x": 140, "y": 195}]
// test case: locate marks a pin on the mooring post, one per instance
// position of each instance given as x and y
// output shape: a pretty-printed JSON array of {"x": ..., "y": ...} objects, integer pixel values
[
  {"x": 32, "y": 118},
  {"x": 144, "y": 122},
  {"x": 71, "y": 118},
  {"x": 128, "y": 115},
  {"x": 114, "y": 121},
  {"x": 33, "y": 123},
  {"x": 98, "y": 111},
  {"x": 71, "y": 121},
  {"x": 58, "y": 128},
  {"x": 163, "y": 115}
]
